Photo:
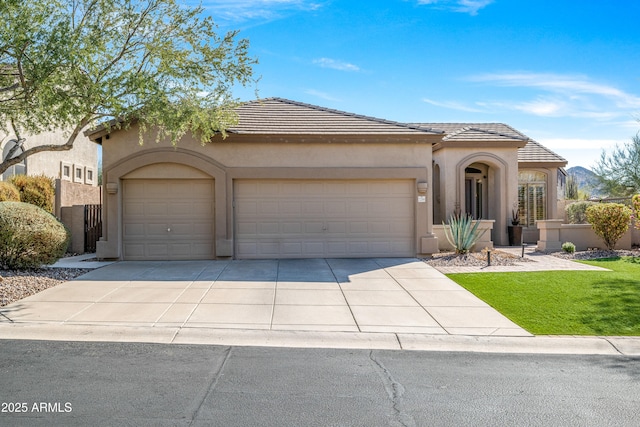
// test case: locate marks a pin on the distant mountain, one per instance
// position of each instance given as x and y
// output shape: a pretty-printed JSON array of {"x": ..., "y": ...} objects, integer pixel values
[{"x": 587, "y": 181}]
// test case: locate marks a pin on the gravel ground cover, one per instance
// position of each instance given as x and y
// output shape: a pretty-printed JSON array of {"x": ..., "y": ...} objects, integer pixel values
[
  {"x": 498, "y": 257},
  {"x": 15, "y": 285}
]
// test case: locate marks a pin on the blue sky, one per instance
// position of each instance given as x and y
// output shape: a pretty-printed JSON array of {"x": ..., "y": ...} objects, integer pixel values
[{"x": 564, "y": 72}]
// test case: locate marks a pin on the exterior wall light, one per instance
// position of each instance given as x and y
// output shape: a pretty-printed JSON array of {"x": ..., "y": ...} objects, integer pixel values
[
  {"x": 422, "y": 187},
  {"x": 112, "y": 187}
]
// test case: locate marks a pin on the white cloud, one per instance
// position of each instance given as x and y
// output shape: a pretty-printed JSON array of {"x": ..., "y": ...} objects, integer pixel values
[
  {"x": 322, "y": 95},
  {"x": 569, "y": 85},
  {"x": 557, "y": 95},
  {"x": 336, "y": 64},
  {"x": 453, "y": 105},
  {"x": 251, "y": 10},
  {"x": 463, "y": 6}
]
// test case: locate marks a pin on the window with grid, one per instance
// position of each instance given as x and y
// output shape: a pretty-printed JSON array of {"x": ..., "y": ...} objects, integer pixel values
[{"x": 532, "y": 197}]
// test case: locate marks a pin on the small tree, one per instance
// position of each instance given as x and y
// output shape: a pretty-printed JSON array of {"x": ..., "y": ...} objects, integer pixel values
[
  {"x": 609, "y": 221},
  {"x": 619, "y": 171},
  {"x": 571, "y": 191},
  {"x": 576, "y": 212},
  {"x": 76, "y": 63}
]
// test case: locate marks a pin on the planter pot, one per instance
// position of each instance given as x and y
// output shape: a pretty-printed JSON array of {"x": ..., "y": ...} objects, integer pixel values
[{"x": 515, "y": 235}]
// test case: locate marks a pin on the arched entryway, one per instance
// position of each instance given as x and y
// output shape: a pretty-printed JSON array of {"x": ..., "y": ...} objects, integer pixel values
[
  {"x": 476, "y": 191},
  {"x": 484, "y": 192}
]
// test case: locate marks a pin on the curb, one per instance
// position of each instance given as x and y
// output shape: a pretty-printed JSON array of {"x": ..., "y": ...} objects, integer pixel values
[{"x": 569, "y": 345}]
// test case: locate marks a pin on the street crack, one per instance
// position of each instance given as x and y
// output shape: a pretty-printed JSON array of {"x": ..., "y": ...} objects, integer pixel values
[{"x": 395, "y": 392}]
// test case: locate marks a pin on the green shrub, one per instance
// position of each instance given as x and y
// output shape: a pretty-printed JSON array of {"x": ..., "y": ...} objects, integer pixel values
[
  {"x": 30, "y": 236},
  {"x": 8, "y": 192},
  {"x": 463, "y": 233},
  {"x": 568, "y": 247},
  {"x": 577, "y": 212},
  {"x": 610, "y": 221},
  {"x": 36, "y": 190},
  {"x": 635, "y": 203}
]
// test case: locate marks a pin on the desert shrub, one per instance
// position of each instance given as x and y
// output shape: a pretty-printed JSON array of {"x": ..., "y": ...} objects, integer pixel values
[
  {"x": 568, "y": 247},
  {"x": 463, "y": 233},
  {"x": 577, "y": 212},
  {"x": 8, "y": 192},
  {"x": 635, "y": 204},
  {"x": 36, "y": 190},
  {"x": 29, "y": 236},
  {"x": 610, "y": 221}
]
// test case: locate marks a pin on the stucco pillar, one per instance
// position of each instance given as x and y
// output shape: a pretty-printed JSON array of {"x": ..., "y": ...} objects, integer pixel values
[
  {"x": 108, "y": 246},
  {"x": 549, "y": 235}
]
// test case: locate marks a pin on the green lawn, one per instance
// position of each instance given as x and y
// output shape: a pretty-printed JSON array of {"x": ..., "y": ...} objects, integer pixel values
[{"x": 566, "y": 302}]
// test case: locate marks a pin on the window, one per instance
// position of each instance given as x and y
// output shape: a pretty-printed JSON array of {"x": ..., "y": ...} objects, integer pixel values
[
  {"x": 88, "y": 176},
  {"x": 66, "y": 171},
  {"x": 77, "y": 176},
  {"x": 532, "y": 197},
  {"x": 12, "y": 149}
]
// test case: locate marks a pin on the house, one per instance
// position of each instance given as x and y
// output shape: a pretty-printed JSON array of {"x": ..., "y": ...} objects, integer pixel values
[
  {"x": 294, "y": 180},
  {"x": 75, "y": 171}
]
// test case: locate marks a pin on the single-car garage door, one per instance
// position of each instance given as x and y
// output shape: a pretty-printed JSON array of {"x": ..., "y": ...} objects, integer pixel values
[
  {"x": 328, "y": 218},
  {"x": 168, "y": 219}
]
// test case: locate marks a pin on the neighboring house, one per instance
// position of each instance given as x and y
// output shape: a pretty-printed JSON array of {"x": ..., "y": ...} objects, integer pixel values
[
  {"x": 80, "y": 164},
  {"x": 75, "y": 171},
  {"x": 294, "y": 180}
]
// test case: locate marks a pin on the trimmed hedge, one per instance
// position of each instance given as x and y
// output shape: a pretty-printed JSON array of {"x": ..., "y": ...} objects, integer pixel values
[
  {"x": 37, "y": 190},
  {"x": 8, "y": 192},
  {"x": 29, "y": 236}
]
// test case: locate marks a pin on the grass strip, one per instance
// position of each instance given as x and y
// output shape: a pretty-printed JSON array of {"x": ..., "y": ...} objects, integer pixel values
[{"x": 565, "y": 302}]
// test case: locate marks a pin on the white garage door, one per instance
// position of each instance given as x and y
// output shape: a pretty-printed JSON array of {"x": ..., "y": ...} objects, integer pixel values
[
  {"x": 168, "y": 219},
  {"x": 309, "y": 218}
]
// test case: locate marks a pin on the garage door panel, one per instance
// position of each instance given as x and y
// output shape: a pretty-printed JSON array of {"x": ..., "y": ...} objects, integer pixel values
[
  {"x": 157, "y": 250},
  {"x": 168, "y": 219},
  {"x": 324, "y": 218},
  {"x": 156, "y": 208}
]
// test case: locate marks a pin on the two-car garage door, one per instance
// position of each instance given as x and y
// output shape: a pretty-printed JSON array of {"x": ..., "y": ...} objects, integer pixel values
[
  {"x": 324, "y": 218},
  {"x": 165, "y": 219}
]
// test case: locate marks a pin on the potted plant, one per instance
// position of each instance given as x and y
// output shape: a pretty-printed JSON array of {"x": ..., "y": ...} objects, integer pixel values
[{"x": 515, "y": 229}]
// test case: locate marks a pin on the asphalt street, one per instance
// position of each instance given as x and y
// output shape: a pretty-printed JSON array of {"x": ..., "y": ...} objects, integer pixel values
[{"x": 120, "y": 384}]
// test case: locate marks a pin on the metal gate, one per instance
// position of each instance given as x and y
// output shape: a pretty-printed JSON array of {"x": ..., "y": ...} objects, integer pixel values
[{"x": 92, "y": 226}]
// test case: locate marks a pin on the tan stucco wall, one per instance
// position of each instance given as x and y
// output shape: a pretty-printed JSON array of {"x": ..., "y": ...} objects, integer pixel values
[
  {"x": 84, "y": 154},
  {"x": 553, "y": 233},
  {"x": 240, "y": 157},
  {"x": 502, "y": 182}
]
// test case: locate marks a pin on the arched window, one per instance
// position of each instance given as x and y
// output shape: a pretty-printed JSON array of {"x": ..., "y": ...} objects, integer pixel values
[
  {"x": 532, "y": 197},
  {"x": 12, "y": 149}
]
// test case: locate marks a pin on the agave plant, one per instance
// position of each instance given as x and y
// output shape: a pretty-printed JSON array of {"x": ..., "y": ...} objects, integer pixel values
[{"x": 463, "y": 233}]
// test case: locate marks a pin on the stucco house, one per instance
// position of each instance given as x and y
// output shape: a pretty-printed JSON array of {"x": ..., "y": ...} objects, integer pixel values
[{"x": 294, "y": 180}]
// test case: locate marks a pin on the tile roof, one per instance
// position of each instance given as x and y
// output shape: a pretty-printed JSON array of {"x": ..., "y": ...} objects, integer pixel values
[
  {"x": 534, "y": 152},
  {"x": 476, "y": 131},
  {"x": 277, "y": 116}
]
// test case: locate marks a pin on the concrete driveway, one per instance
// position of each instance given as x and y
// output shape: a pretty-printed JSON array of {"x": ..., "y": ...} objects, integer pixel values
[{"x": 349, "y": 295}]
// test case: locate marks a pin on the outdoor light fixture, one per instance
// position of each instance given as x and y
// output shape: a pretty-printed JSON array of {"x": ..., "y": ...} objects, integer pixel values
[
  {"x": 422, "y": 187},
  {"x": 488, "y": 258},
  {"x": 112, "y": 187}
]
